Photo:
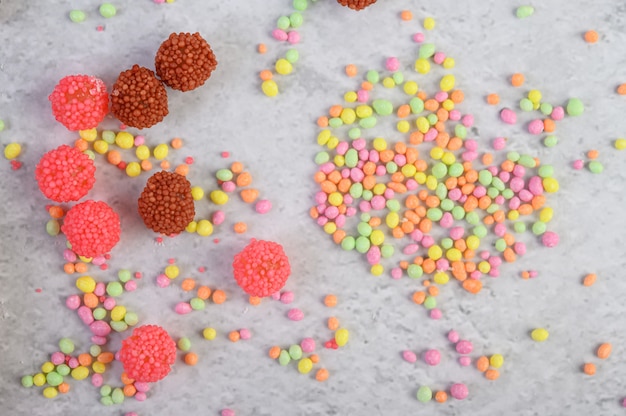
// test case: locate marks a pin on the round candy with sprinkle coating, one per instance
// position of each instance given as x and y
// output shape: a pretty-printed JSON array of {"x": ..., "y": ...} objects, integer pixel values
[
  {"x": 261, "y": 268},
  {"x": 79, "y": 102},
  {"x": 65, "y": 174},
  {"x": 148, "y": 353},
  {"x": 356, "y": 4},
  {"x": 92, "y": 228}
]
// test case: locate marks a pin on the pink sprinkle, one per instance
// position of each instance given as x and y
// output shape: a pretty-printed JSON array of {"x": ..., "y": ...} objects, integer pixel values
[
  {"x": 244, "y": 333},
  {"x": 427, "y": 241},
  {"x": 441, "y": 96},
  {"x": 69, "y": 255},
  {"x": 464, "y": 347},
  {"x": 293, "y": 37},
  {"x": 435, "y": 314},
  {"x": 140, "y": 396},
  {"x": 446, "y": 220},
  {"x": 533, "y": 273},
  {"x": 97, "y": 380},
  {"x": 159, "y": 1},
  {"x": 418, "y": 37},
  {"x": 470, "y": 144},
  {"x": 508, "y": 116},
  {"x": 373, "y": 255},
  {"x": 578, "y": 165},
  {"x": 131, "y": 414},
  {"x": 279, "y": 34},
  {"x": 142, "y": 386},
  {"x": 98, "y": 260},
  {"x": 535, "y": 127},
  {"x": 100, "y": 289},
  {"x": 519, "y": 248},
  {"x": 182, "y": 308},
  {"x": 218, "y": 217},
  {"x": 468, "y": 120},
  {"x": 453, "y": 336},
  {"x": 57, "y": 358},
  {"x": 442, "y": 264},
  {"x": 457, "y": 232},
  {"x": 519, "y": 170},
  {"x": 550, "y": 239},
  {"x": 162, "y": 280},
  {"x": 85, "y": 315},
  {"x": 535, "y": 185},
  {"x": 229, "y": 186},
  {"x": 410, "y": 249},
  {"x": 295, "y": 314},
  {"x": 99, "y": 340},
  {"x": 432, "y": 357},
  {"x": 396, "y": 273},
  {"x": 409, "y": 356},
  {"x": 287, "y": 297},
  {"x": 465, "y": 361},
  {"x": 139, "y": 140},
  {"x": 72, "y": 302},
  {"x": 225, "y": 155},
  {"x": 109, "y": 303},
  {"x": 439, "y": 57},
  {"x": 411, "y": 184},
  {"x": 499, "y": 229},
  {"x": 484, "y": 254},
  {"x": 499, "y": 143},
  {"x": 362, "y": 96},
  {"x": 459, "y": 391},
  {"x": 342, "y": 148},
  {"x": 392, "y": 64},
  {"x": 381, "y": 170},
  {"x": 189, "y": 160},
  {"x": 276, "y": 296},
  {"x": 455, "y": 115},
  {"x": 100, "y": 328},
  {"x": 130, "y": 286},
  {"x": 307, "y": 345},
  {"x": 263, "y": 206},
  {"x": 227, "y": 412},
  {"x": 557, "y": 113},
  {"x": 378, "y": 202},
  {"x": 73, "y": 362},
  {"x": 431, "y": 135}
]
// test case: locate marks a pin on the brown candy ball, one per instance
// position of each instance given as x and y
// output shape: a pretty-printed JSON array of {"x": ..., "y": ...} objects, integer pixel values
[
  {"x": 165, "y": 204},
  {"x": 184, "y": 61},
  {"x": 139, "y": 99},
  {"x": 356, "y": 4}
]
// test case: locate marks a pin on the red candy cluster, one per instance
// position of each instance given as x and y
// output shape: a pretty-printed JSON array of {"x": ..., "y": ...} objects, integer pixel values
[
  {"x": 148, "y": 353},
  {"x": 261, "y": 268},
  {"x": 65, "y": 174},
  {"x": 92, "y": 228},
  {"x": 80, "y": 102}
]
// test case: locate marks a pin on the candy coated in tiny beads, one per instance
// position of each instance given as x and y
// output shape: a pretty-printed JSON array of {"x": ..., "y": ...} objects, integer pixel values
[
  {"x": 92, "y": 228},
  {"x": 356, "y": 4},
  {"x": 65, "y": 174},
  {"x": 148, "y": 353},
  {"x": 79, "y": 102},
  {"x": 261, "y": 268}
]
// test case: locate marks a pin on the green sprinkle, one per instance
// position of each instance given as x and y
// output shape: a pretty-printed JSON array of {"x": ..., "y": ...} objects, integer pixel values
[
  {"x": 351, "y": 158},
  {"x": 414, "y": 271},
  {"x": 197, "y": 304},
  {"x": 391, "y": 167},
  {"x": 106, "y": 401},
  {"x": 124, "y": 275},
  {"x": 550, "y": 141},
  {"x": 224, "y": 175},
  {"x": 66, "y": 346},
  {"x": 27, "y": 381},
  {"x": 300, "y": 5},
  {"x": 295, "y": 19},
  {"x": 54, "y": 379},
  {"x": 91, "y": 155},
  {"x": 77, "y": 16},
  {"x": 439, "y": 170},
  {"x": 114, "y": 289},
  {"x": 322, "y": 157},
  {"x": 292, "y": 55},
  {"x": 364, "y": 229},
  {"x": 107, "y": 10},
  {"x": 362, "y": 244},
  {"x": 382, "y": 107},
  {"x": 458, "y": 213},
  {"x": 108, "y": 136},
  {"x": 460, "y": 131},
  {"x": 283, "y": 23},
  {"x": 417, "y": 105},
  {"x": 430, "y": 302},
  {"x": 500, "y": 245},
  {"x": 447, "y": 243},
  {"x": 117, "y": 396},
  {"x": 524, "y": 11},
  {"x": 131, "y": 318},
  {"x": 354, "y": 133},
  {"x": 335, "y": 122},
  {"x": 434, "y": 214},
  {"x": 441, "y": 191},
  {"x": 472, "y": 218},
  {"x": 447, "y": 205},
  {"x": 386, "y": 250},
  {"x": 480, "y": 231},
  {"x": 498, "y": 184},
  {"x": 546, "y": 171},
  {"x": 356, "y": 190},
  {"x": 492, "y": 191},
  {"x": 526, "y": 105},
  {"x": 119, "y": 326},
  {"x": 595, "y": 166},
  {"x": 539, "y": 228},
  {"x": 508, "y": 193},
  {"x": 348, "y": 243},
  {"x": 99, "y": 313},
  {"x": 485, "y": 177},
  {"x": 284, "y": 358},
  {"x": 492, "y": 208},
  {"x": 393, "y": 205},
  {"x": 513, "y": 156},
  {"x": 427, "y": 50},
  {"x": 95, "y": 350},
  {"x": 575, "y": 107},
  {"x": 52, "y": 227},
  {"x": 432, "y": 119},
  {"x": 519, "y": 227},
  {"x": 368, "y": 195},
  {"x": 63, "y": 369},
  {"x": 546, "y": 108},
  {"x": 184, "y": 344},
  {"x": 373, "y": 76},
  {"x": 527, "y": 161},
  {"x": 295, "y": 352},
  {"x": 398, "y": 77},
  {"x": 367, "y": 122}
]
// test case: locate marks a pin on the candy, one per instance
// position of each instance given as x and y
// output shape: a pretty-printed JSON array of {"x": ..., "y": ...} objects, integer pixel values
[
  {"x": 424, "y": 394},
  {"x": 604, "y": 350},
  {"x": 107, "y": 10},
  {"x": 432, "y": 357},
  {"x": 464, "y": 347},
  {"x": 79, "y": 102},
  {"x": 356, "y": 4},
  {"x": 539, "y": 334},
  {"x": 508, "y": 116},
  {"x": 92, "y": 228},
  {"x": 409, "y": 356},
  {"x": 185, "y": 61},
  {"x": 77, "y": 16},
  {"x": 65, "y": 174},
  {"x": 295, "y": 314},
  {"x": 575, "y": 107},
  {"x": 148, "y": 353},
  {"x": 261, "y": 268},
  {"x": 459, "y": 391},
  {"x": 12, "y": 151},
  {"x": 524, "y": 11}
]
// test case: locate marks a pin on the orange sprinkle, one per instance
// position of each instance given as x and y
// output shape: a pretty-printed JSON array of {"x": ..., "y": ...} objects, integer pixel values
[
  {"x": 129, "y": 390},
  {"x": 422, "y": 95},
  {"x": 419, "y": 297},
  {"x": 431, "y": 104},
  {"x": 81, "y": 144},
  {"x": 441, "y": 396},
  {"x": 351, "y": 70},
  {"x": 266, "y": 75},
  {"x": 330, "y": 301},
  {"x": 472, "y": 285},
  {"x": 433, "y": 290},
  {"x": 335, "y": 111},
  {"x": 236, "y": 167},
  {"x": 517, "y": 80},
  {"x": 254, "y": 300},
  {"x": 487, "y": 159},
  {"x": 321, "y": 374},
  {"x": 591, "y": 36},
  {"x": 63, "y": 388},
  {"x": 493, "y": 99},
  {"x": 525, "y": 275},
  {"x": 188, "y": 284},
  {"x": 125, "y": 379},
  {"x": 243, "y": 179},
  {"x": 165, "y": 165},
  {"x": 56, "y": 212},
  {"x": 90, "y": 300},
  {"x": 84, "y": 359},
  {"x": 621, "y": 89},
  {"x": 322, "y": 121},
  {"x": 457, "y": 96},
  {"x": 261, "y": 48},
  {"x": 367, "y": 86},
  {"x": 592, "y": 154},
  {"x": 589, "y": 369},
  {"x": 333, "y": 323},
  {"x": 314, "y": 358},
  {"x": 249, "y": 195},
  {"x": 482, "y": 364},
  {"x": 492, "y": 374},
  {"x": 68, "y": 268},
  {"x": 240, "y": 227},
  {"x": 219, "y": 296},
  {"x": 604, "y": 350},
  {"x": 114, "y": 157},
  {"x": 146, "y": 165},
  {"x": 234, "y": 336},
  {"x": 191, "y": 358},
  {"x": 590, "y": 279},
  {"x": 176, "y": 143},
  {"x": 338, "y": 236},
  {"x": 204, "y": 292},
  {"x": 404, "y": 111},
  {"x": 549, "y": 125},
  {"x": 105, "y": 357},
  {"x": 406, "y": 15},
  {"x": 274, "y": 352}
]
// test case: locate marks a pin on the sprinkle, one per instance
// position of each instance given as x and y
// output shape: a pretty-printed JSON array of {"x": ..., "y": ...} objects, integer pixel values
[
  {"x": 539, "y": 334},
  {"x": 517, "y": 80},
  {"x": 589, "y": 369},
  {"x": 295, "y": 314},
  {"x": 604, "y": 350},
  {"x": 591, "y": 36},
  {"x": 524, "y": 11},
  {"x": 409, "y": 356},
  {"x": 432, "y": 357},
  {"x": 459, "y": 391},
  {"x": 107, "y": 10},
  {"x": 589, "y": 279}
]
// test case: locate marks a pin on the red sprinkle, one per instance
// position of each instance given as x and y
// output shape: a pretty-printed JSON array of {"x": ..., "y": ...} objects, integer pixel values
[
  {"x": 80, "y": 102},
  {"x": 225, "y": 155},
  {"x": 65, "y": 174},
  {"x": 261, "y": 268},
  {"x": 92, "y": 228},
  {"x": 148, "y": 353}
]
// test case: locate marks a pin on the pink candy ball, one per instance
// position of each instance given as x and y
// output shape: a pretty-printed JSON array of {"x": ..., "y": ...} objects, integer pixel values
[
  {"x": 183, "y": 308},
  {"x": 465, "y": 360},
  {"x": 436, "y": 314},
  {"x": 97, "y": 380},
  {"x": 535, "y": 127},
  {"x": 162, "y": 280},
  {"x": 409, "y": 356},
  {"x": 432, "y": 357},
  {"x": 550, "y": 239},
  {"x": 57, "y": 358},
  {"x": 295, "y": 314},
  {"x": 499, "y": 143},
  {"x": 464, "y": 347},
  {"x": 578, "y": 164},
  {"x": 459, "y": 391},
  {"x": 453, "y": 336},
  {"x": 263, "y": 206},
  {"x": 287, "y": 297},
  {"x": 307, "y": 345},
  {"x": 418, "y": 37},
  {"x": 508, "y": 116},
  {"x": 392, "y": 64},
  {"x": 227, "y": 412},
  {"x": 73, "y": 302},
  {"x": 245, "y": 333}
]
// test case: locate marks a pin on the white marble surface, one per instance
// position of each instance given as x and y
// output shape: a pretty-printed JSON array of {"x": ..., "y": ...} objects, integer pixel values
[{"x": 275, "y": 138}]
